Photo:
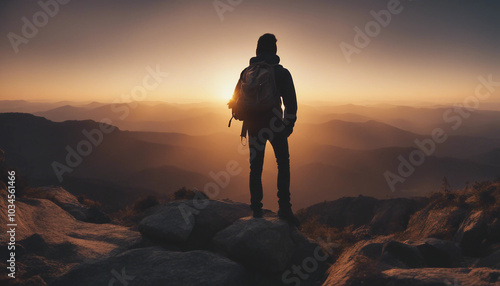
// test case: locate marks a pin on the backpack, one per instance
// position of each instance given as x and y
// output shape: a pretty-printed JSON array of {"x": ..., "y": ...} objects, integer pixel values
[{"x": 257, "y": 94}]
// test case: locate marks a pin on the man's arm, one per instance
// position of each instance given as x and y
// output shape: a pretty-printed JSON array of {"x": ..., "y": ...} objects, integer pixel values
[{"x": 289, "y": 98}]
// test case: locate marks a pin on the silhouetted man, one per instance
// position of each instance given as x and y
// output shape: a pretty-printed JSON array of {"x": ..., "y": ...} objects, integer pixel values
[{"x": 271, "y": 124}]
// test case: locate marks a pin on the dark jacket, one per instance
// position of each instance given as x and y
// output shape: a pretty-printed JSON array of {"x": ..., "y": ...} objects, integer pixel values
[{"x": 286, "y": 89}]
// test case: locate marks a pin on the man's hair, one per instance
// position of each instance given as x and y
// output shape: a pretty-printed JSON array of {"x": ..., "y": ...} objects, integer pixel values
[{"x": 267, "y": 44}]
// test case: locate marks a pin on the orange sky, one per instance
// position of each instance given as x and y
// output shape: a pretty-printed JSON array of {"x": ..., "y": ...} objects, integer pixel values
[{"x": 100, "y": 51}]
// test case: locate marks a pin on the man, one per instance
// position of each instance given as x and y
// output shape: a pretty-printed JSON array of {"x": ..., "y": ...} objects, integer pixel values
[{"x": 273, "y": 125}]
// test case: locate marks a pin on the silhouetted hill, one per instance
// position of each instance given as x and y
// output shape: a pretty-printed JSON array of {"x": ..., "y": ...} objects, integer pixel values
[
  {"x": 35, "y": 143},
  {"x": 357, "y": 135}
]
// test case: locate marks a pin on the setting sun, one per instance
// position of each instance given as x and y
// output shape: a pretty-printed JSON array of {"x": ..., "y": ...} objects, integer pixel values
[{"x": 226, "y": 91}]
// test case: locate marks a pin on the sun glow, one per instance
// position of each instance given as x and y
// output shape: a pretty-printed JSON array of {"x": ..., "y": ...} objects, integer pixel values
[{"x": 226, "y": 91}]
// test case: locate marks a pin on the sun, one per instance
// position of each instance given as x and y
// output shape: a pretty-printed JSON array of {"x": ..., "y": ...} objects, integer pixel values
[{"x": 226, "y": 91}]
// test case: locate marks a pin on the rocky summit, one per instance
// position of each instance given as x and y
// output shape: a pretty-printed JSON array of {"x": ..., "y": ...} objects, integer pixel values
[{"x": 445, "y": 239}]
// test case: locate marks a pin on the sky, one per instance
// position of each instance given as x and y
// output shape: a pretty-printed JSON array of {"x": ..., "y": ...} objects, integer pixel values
[{"x": 94, "y": 50}]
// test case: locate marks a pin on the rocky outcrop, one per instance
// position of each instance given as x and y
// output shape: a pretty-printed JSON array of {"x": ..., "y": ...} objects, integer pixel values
[
  {"x": 439, "y": 253},
  {"x": 377, "y": 217},
  {"x": 440, "y": 276},
  {"x": 383, "y": 261},
  {"x": 392, "y": 215},
  {"x": 156, "y": 266},
  {"x": 471, "y": 234},
  {"x": 169, "y": 223},
  {"x": 492, "y": 261},
  {"x": 241, "y": 250},
  {"x": 69, "y": 203},
  {"x": 207, "y": 242},
  {"x": 263, "y": 244},
  {"x": 191, "y": 223},
  {"x": 435, "y": 222},
  {"x": 50, "y": 240}
]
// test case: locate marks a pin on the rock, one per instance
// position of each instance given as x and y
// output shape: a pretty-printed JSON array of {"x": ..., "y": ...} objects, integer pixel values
[
  {"x": 213, "y": 217},
  {"x": 263, "y": 244},
  {"x": 393, "y": 215},
  {"x": 62, "y": 198},
  {"x": 493, "y": 235},
  {"x": 192, "y": 223},
  {"x": 491, "y": 261},
  {"x": 34, "y": 244},
  {"x": 435, "y": 222},
  {"x": 407, "y": 254},
  {"x": 156, "y": 266},
  {"x": 439, "y": 253},
  {"x": 471, "y": 234},
  {"x": 69, "y": 203},
  {"x": 372, "y": 250},
  {"x": 171, "y": 223},
  {"x": 95, "y": 215},
  {"x": 310, "y": 258},
  {"x": 441, "y": 277},
  {"x": 379, "y": 217},
  {"x": 356, "y": 265},
  {"x": 53, "y": 240}
]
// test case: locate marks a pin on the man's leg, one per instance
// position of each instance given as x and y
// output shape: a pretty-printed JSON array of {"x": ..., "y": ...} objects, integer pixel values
[
  {"x": 257, "y": 150},
  {"x": 280, "y": 146}
]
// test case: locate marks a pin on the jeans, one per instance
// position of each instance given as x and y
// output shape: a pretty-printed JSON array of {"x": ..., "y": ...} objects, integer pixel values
[{"x": 257, "y": 143}]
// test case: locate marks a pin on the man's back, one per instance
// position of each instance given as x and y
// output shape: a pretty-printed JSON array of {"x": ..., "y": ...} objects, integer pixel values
[
  {"x": 286, "y": 91},
  {"x": 273, "y": 125}
]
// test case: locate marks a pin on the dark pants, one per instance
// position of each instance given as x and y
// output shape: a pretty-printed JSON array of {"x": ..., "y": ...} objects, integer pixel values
[{"x": 257, "y": 143}]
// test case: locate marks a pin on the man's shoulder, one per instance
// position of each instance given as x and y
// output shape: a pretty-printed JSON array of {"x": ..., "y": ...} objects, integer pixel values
[{"x": 281, "y": 71}]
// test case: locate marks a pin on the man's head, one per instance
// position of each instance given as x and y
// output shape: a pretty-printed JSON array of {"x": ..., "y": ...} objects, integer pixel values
[{"x": 267, "y": 44}]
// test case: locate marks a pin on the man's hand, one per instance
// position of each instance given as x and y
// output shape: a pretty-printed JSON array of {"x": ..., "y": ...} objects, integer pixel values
[{"x": 288, "y": 130}]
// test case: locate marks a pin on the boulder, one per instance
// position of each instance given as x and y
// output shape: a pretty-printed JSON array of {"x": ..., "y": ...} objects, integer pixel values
[
  {"x": 372, "y": 250},
  {"x": 439, "y": 253},
  {"x": 191, "y": 223},
  {"x": 156, "y": 266},
  {"x": 51, "y": 240},
  {"x": 491, "y": 261},
  {"x": 471, "y": 234},
  {"x": 69, "y": 203},
  {"x": 310, "y": 258},
  {"x": 407, "y": 254},
  {"x": 440, "y": 277},
  {"x": 213, "y": 217},
  {"x": 393, "y": 215},
  {"x": 263, "y": 244},
  {"x": 357, "y": 264},
  {"x": 435, "y": 222},
  {"x": 172, "y": 223}
]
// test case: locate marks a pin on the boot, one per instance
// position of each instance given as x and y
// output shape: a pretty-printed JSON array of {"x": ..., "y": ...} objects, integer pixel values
[{"x": 257, "y": 213}]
